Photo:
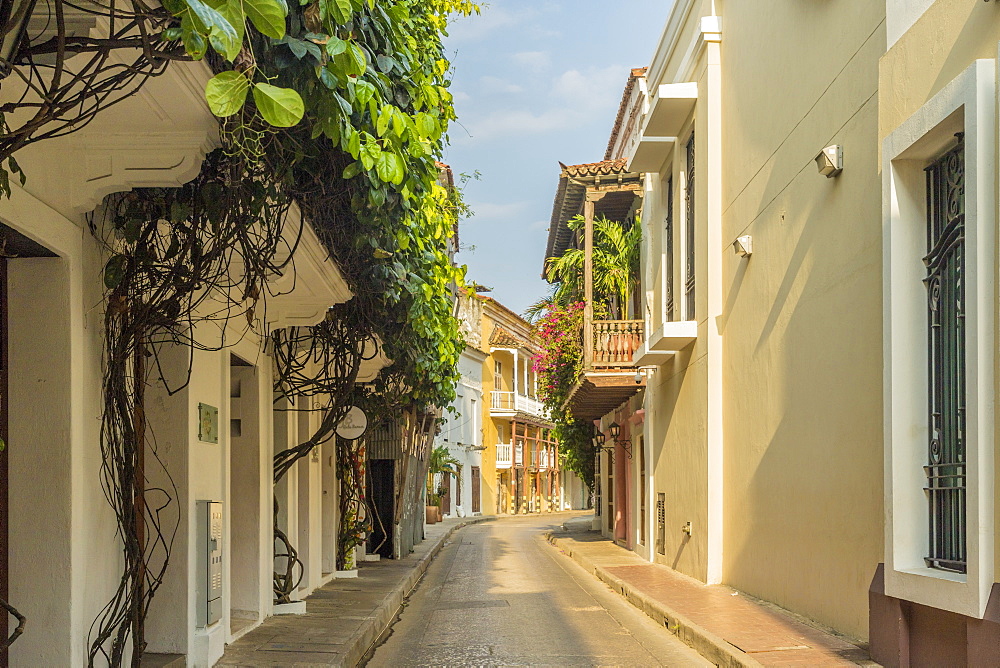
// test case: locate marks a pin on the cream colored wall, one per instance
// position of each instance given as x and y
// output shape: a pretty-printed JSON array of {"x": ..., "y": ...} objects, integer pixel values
[
  {"x": 801, "y": 323},
  {"x": 677, "y": 395},
  {"x": 676, "y": 430},
  {"x": 961, "y": 33}
]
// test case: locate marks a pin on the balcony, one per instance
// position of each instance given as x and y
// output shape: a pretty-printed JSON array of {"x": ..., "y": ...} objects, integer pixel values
[
  {"x": 542, "y": 460},
  {"x": 505, "y": 455},
  {"x": 615, "y": 341},
  {"x": 609, "y": 374},
  {"x": 508, "y": 404}
]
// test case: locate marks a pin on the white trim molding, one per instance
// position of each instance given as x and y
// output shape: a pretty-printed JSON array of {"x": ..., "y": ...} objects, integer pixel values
[{"x": 967, "y": 104}]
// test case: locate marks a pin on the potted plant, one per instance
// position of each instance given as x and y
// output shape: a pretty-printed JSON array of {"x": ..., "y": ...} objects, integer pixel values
[
  {"x": 440, "y": 463},
  {"x": 432, "y": 509}
]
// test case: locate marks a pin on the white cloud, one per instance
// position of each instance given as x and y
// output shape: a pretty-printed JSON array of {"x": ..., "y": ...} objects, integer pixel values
[
  {"x": 490, "y": 85},
  {"x": 575, "y": 98},
  {"x": 536, "y": 61},
  {"x": 460, "y": 96},
  {"x": 477, "y": 28}
]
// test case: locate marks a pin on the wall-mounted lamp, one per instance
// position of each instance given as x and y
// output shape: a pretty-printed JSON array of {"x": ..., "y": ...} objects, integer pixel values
[
  {"x": 14, "y": 15},
  {"x": 615, "y": 429},
  {"x": 830, "y": 161},
  {"x": 743, "y": 246}
]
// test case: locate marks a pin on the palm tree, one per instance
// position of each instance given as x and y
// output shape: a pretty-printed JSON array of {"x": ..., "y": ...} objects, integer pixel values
[
  {"x": 442, "y": 462},
  {"x": 616, "y": 267}
]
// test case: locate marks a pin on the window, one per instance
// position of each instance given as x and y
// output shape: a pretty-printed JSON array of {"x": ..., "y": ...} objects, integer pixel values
[
  {"x": 939, "y": 243},
  {"x": 946, "y": 359},
  {"x": 689, "y": 234},
  {"x": 498, "y": 372},
  {"x": 668, "y": 252}
]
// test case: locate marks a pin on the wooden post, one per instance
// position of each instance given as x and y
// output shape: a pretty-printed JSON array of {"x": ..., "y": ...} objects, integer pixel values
[
  {"x": 588, "y": 282},
  {"x": 593, "y": 196}
]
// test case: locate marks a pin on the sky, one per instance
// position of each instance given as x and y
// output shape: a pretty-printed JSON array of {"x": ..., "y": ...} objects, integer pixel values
[{"x": 535, "y": 82}]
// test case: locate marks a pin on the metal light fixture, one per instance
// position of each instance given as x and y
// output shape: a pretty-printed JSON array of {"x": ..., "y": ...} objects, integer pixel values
[
  {"x": 743, "y": 246},
  {"x": 615, "y": 430},
  {"x": 830, "y": 161},
  {"x": 14, "y": 17}
]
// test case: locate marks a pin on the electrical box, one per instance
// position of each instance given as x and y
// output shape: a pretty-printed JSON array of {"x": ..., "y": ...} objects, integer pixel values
[
  {"x": 661, "y": 523},
  {"x": 210, "y": 562}
]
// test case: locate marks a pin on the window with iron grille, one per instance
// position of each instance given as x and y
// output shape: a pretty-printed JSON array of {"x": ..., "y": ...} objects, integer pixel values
[
  {"x": 689, "y": 234},
  {"x": 945, "y": 262},
  {"x": 668, "y": 252}
]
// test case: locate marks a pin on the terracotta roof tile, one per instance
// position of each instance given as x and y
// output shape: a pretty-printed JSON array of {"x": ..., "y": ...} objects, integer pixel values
[
  {"x": 637, "y": 73},
  {"x": 501, "y": 338},
  {"x": 602, "y": 168}
]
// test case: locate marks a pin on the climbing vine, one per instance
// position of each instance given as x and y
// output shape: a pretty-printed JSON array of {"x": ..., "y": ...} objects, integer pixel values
[
  {"x": 350, "y": 132},
  {"x": 558, "y": 366}
]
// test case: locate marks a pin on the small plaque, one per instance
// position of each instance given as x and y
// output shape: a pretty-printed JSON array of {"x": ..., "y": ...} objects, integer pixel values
[
  {"x": 208, "y": 423},
  {"x": 354, "y": 424}
]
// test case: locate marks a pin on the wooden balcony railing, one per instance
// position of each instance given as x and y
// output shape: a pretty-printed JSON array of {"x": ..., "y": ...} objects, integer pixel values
[{"x": 614, "y": 341}]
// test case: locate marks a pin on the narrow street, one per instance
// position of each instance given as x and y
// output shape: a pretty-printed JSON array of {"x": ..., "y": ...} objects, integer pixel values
[{"x": 497, "y": 594}]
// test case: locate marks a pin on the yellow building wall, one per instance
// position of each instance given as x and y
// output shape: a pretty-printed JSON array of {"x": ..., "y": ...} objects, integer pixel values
[
  {"x": 802, "y": 321},
  {"x": 489, "y": 459},
  {"x": 938, "y": 47}
]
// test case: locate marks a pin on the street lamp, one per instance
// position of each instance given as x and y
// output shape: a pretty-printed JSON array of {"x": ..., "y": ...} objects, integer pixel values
[
  {"x": 615, "y": 429},
  {"x": 14, "y": 17}
]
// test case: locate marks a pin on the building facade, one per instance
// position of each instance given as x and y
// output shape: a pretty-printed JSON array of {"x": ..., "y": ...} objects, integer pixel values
[
  {"x": 818, "y": 315},
  {"x": 526, "y": 475}
]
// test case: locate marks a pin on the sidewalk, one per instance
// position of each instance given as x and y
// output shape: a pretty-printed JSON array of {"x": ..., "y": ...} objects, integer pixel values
[
  {"x": 726, "y": 627},
  {"x": 343, "y": 618}
]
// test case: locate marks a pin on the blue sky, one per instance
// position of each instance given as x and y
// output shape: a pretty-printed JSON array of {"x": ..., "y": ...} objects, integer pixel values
[{"x": 536, "y": 82}]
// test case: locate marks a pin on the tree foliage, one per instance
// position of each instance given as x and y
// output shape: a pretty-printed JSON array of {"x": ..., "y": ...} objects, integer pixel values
[{"x": 616, "y": 267}]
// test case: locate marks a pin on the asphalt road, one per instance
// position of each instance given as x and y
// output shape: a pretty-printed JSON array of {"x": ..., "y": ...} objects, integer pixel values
[{"x": 499, "y": 595}]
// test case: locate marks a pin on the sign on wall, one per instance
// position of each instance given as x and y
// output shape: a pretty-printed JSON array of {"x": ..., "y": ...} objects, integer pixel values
[
  {"x": 354, "y": 424},
  {"x": 208, "y": 423}
]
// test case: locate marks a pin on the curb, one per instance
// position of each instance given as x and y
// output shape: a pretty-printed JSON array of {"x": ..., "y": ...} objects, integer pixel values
[
  {"x": 361, "y": 643},
  {"x": 706, "y": 643}
]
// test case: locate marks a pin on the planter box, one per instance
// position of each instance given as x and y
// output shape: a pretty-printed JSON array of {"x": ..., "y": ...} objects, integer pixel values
[
  {"x": 293, "y": 608},
  {"x": 353, "y": 573},
  {"x": 431, "y": 514}
]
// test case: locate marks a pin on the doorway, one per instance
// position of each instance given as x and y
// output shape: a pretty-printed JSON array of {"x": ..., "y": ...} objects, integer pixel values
[
  {"x": 476, "y": 490},
  {"x": 381, "y": 503},
  {"x": 246, "y": 500}
]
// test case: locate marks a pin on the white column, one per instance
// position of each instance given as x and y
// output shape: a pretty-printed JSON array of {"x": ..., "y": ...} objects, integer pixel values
[
  {"x": 714, "y": 294},
  {"x": 516, "y": 386}
]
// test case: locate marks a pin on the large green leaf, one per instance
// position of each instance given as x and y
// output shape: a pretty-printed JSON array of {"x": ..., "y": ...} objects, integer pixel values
[
  {"x": 220, "y": 31},
  {"x": 268, "y": 16},
  {"x": 281, "y": 107},
  {"x": 335, "y": 46},
  {"x": 341, "y": 10},
  {"x": 356, "y": 63},
  {"x": 226, "y": 93}
]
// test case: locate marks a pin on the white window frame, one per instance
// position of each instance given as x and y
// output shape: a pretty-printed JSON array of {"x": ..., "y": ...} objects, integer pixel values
[{"x": 966, "y": 104}]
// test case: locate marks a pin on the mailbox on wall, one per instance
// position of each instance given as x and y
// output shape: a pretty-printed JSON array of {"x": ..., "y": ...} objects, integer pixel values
[{"x": 209, "y": 562}]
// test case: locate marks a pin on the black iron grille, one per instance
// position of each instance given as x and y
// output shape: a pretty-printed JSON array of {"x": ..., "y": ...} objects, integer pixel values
[
  {"x": 946, "y": 467},
  {"x": 689, "y": 234}
]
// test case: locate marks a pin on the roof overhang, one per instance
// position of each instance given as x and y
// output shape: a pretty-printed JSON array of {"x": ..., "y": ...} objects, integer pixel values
[
  {"x": 598, "y": 393},
  {"x": 668, "y": 111},
  {"x": 574, "y": 182}
]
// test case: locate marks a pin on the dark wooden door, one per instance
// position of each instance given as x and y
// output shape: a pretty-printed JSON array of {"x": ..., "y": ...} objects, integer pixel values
[
  {"x": 476, "y": 508},
  {"x": 381, "y": 503},
  {"x": 446, "y": 498}
]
